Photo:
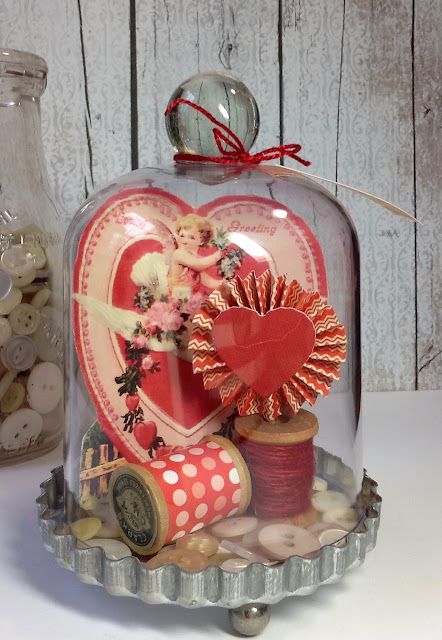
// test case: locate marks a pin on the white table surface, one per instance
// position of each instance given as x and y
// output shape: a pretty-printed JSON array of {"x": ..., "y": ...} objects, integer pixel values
[{"x": 395, "y": 594}]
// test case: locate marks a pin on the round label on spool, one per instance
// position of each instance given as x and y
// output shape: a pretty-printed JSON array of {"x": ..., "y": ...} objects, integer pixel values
[{"x": 137, "y": 510}]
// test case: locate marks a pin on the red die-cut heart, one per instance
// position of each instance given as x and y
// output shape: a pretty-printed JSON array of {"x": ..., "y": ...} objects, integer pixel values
[{"x": 264, "y": 351}]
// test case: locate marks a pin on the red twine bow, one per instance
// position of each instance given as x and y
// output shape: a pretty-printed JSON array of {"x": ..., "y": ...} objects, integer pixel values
[{"x": 235, "y": 152}]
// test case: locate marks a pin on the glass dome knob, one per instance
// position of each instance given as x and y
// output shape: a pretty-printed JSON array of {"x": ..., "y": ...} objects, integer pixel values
[{"x": 223, "y": 96}]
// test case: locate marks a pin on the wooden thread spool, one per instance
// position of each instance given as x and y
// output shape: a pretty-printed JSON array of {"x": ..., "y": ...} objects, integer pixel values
[
  {"x": 280, "y": 457},
  {"x": 158, "y": 502}
]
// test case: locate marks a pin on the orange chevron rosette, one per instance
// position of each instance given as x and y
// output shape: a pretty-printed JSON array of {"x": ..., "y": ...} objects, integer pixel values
[{"x": 267, "y": 345}]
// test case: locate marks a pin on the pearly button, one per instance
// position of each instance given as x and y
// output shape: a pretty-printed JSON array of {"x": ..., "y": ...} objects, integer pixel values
[
  {"x": 20, "y": 429},
  {"x": 24, "y": 319},
  {"x": 232, "y": 527},
  {"x": 86, "y": 528},
  {"x": 235, "y": 564},
  {"x": 18, "y": 353},
  {"x": 41, "y": 298},
  {"x": 11, "y": 301},
  {"x": 332, "y": 536},
  {"x": 183, "y": 558},
  {"x": 280, "y": 541},
  {"x": 199, "y": 541},
  {"x": 345, "y": 517},
  {"x": 326, "y": 500},
  {"x": 113, "y": 549},
  {"x": 319, "y": 484},
  {"x": 13, "y": 398},
  {"x": 38, "y": 254},
  {"x": 24, "y": 281},
  {"x": 48, "y": 338},
  {"x": 5, "y": 284},
  {"x": 45, "y": 387},
  {"x": 17, "y": 260},
  {"x": 5, "y": 331}
]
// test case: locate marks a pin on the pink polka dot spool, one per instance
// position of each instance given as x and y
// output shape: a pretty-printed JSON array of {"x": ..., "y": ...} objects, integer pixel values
[{"x": 160, "y": 501}]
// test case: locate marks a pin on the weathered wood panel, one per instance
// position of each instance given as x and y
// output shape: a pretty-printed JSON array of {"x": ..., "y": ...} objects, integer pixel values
[
  {"x": 375, "y": 152},
  {"x": 86, "y": 107},
  {"x": 428, "y": 130},
  {"x": 175, "y": 40}
]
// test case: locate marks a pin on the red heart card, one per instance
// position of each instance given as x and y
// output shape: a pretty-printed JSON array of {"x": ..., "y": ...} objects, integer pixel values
[{"x": 145, "y": 262}]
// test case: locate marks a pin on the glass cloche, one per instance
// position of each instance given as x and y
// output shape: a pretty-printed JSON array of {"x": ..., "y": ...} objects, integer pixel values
[{"x": 213, "y": 353}]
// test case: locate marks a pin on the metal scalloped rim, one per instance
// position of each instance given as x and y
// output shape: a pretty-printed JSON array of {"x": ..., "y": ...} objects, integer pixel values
[{"x": 211, "y": 586}]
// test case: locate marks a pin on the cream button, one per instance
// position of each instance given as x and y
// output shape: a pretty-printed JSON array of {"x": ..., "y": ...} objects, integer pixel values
[
  {"x": 232, "y": 527},
  {"x": 280, "y": 541},
  {"x": 326, "y": 500},
  {"x": 17, "y": 260},
  {"x": 109, "y": 530},
  {"x": 183, "y": 558},
  {"x": 13, "y": 398},
  {"x": 48, "y": 338},
  {"x": 345, "y": 517},
  {"x": 38, "y": 254},
  {"x": 24, "y": 281},
  {"x": 20, "y": 429},
  {"x": 6, "y": 381},
  {"x": 41, "y": 298},
  {"x": 5, "y": 331},
  {"x": 11, "y": 301},
  {"x": 332, "y": 536},
  {"x": 24, "y": 319},
  {"x": 45, "y": 387},
  {"x": 235, "y": 564},
  {"x": 199, "y": 541},
  {"x": 86, "y": 528},
  {"x": 320, "y": 484},
  {"x": 113, "y": 549},
  {"x": 5, "y": 284},
  {"x": 18, "y": 353}
]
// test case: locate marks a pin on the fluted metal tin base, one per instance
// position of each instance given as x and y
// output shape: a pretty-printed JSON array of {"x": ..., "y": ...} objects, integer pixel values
[{"x": 244, "y": 592}]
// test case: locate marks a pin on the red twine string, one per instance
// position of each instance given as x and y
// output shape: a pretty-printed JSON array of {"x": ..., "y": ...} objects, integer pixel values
[
  {"x": 282, "y": 476},
  {"x": 235, "y": 152}
]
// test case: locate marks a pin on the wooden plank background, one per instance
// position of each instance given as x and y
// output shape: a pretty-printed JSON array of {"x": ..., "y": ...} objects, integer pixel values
[{"x": 357, "y": 82}]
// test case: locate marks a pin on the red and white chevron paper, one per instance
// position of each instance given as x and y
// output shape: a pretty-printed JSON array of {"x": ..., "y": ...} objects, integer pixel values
[{"x": 267, "y": 345}]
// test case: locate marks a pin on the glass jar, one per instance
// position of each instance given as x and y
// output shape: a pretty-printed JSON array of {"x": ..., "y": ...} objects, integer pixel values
[
  {"x": 31, "y": 345},
  {"x": 208, "y": 305}
]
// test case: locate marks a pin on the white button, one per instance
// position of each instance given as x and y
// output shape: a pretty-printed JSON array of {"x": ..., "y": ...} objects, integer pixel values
[
  {"x": 327, "y": 500},
  {"x": 20, "y": 429},
  {"x": 233, "y": 527},
  {"x": 332, "y": 536},
  {"x": 38, "y": 253},
  {"x": 41, "y": 298},
  {"x": 17, "y": 260},
  {"x": 24, "y": 319},
  {"x": 24, "y": 281},
  {"x": 280, "y": 541},
  {"x": 13, "y": 398},
  {"x": 113, "y": 549},
  {"x": 48, "y": 338},
  {"x": 5, "y": 331},
  {"x": 45, "y": 387},
  {"x": 11, "y": 301},
  {"x": 235, "y": 564},
  {"x": 319, "y": 484},
  {"x": 18, "y": 353},
  {"x": 5, "y": 284}
]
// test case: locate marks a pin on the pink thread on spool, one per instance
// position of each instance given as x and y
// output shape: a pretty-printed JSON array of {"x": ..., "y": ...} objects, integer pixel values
[{"x": 280, "y": 458}]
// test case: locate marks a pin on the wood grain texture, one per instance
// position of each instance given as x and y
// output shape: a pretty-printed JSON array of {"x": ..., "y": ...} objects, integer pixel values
[
  {"x": 86, "y": 106},
  {"x": 184, "y": 38},
  {"x": 356, "y": 82},
  {"x": 428, "y": 129}
]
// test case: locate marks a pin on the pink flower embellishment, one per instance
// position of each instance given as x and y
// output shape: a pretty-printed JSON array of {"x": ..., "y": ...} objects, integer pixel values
[
  {"x": 192, "y": 305},
  {"x": 140, "y": 342},
  {"x": 165, "y": 315},
  {"x": 147, "y": 363}
]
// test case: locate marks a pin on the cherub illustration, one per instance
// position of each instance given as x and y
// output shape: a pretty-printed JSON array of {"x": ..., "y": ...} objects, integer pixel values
[{"x": 171, "y": 287}]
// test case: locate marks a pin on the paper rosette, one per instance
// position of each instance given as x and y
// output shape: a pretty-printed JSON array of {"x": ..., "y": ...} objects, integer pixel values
[{"x": 256, "y": 376}]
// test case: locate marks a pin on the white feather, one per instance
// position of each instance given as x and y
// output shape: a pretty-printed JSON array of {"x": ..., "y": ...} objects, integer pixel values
[
  {"x": 151, "y": 271},
  {"x": 118, "y": 320}
]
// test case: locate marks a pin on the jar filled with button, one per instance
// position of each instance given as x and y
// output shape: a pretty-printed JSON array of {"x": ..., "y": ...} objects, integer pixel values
[{"x": 31, "y": 348}]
